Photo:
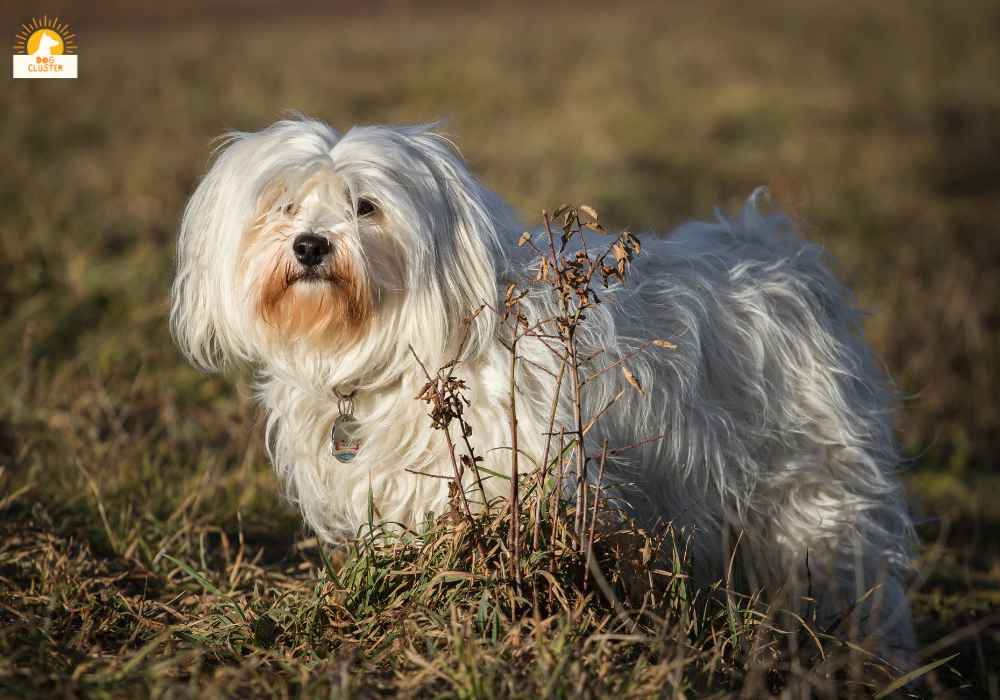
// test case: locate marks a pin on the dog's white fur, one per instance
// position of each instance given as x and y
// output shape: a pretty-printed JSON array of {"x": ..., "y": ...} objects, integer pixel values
[{"x": 778, "y": 417}]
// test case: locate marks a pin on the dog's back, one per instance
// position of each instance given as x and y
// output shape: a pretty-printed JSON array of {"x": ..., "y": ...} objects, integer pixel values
[{"x": 778, "y": 419}]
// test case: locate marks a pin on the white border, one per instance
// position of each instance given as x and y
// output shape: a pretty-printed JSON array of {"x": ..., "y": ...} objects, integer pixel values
[{"x": 57, "y": 66}]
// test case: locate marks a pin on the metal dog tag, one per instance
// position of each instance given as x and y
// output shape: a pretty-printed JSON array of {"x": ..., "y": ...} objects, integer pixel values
[{"x": 343, "y": 443}]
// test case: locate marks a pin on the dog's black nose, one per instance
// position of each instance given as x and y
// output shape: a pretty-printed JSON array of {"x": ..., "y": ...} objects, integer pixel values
[{"x": 310, "y": 249}]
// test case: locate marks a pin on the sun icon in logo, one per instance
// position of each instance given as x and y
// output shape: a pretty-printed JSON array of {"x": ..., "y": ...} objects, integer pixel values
[{"x": 45, "y": 37}]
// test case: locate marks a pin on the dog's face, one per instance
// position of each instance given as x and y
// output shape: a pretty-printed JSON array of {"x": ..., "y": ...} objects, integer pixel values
[
  {"x": 300, "y": 241},
  {"x": 316, "y": 259}
]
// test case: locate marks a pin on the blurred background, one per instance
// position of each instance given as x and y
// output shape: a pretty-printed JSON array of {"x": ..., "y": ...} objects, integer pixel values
[{"x": 877, "y": 125}]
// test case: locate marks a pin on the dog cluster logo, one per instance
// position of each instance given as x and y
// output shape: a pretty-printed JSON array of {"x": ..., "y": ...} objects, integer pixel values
[{"x": 45, "y": 49}]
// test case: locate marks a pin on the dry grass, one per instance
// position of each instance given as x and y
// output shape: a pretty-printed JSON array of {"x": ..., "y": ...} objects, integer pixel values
[{"x": 138, "y": 513}]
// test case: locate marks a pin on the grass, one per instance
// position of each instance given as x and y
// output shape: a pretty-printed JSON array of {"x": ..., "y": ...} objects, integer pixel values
[{"x": 145, "y": 549}]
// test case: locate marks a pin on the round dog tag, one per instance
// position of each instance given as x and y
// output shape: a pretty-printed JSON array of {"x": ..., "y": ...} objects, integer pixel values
[{"x": 343, "y": 442}]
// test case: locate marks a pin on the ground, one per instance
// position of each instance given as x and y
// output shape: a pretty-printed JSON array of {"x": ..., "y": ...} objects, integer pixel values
[{"x": 135, "y": 494}]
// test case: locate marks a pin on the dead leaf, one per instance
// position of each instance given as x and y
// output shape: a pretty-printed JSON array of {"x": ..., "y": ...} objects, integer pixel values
[
  {"x": 510, "y": 291},
  {"x": 590, "y": 212},
  {"x": 630, "y": 378}
]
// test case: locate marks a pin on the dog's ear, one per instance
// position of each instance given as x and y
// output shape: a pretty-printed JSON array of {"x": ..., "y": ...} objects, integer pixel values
[
  {"x": 480, "y": 221},
  {"x": 203, "y": 317},
  {"x": 193, "y": 313}
]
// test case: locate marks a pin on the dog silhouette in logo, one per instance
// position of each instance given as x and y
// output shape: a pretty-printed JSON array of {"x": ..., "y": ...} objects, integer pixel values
[{"x": 45, "y": 44}]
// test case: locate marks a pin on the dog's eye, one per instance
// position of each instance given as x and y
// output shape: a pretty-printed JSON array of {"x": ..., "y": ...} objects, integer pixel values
[{"x": 365, "y": 207}]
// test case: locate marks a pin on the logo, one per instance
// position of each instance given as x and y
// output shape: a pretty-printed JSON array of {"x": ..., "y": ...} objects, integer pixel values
[{"x": 45, "y": 49}]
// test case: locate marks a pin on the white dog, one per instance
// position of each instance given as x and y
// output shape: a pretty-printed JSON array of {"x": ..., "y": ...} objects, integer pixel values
[{"x": 320, "y": 258}]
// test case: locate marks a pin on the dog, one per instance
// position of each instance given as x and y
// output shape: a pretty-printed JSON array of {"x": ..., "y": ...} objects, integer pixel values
[
  {"x": 46, "y": 42},
  {"x": 335, "y": 264}
]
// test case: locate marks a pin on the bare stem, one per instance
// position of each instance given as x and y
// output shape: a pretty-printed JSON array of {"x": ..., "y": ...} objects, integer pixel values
[
  {"x": 593, "y": 420},
  {"x": 581, "y": 455},
  {"x": 545, "y": 455},
  {"x": 515, "y": 502},
  {"x": 619, "y": 450},
  {"x": 597, "y": 500},
  {"x": 557, "y": 496},
  {"x": 458, "y": 473},
  {"x": 624, "y": 358}
]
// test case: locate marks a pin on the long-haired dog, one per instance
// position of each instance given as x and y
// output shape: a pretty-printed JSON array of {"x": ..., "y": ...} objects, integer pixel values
[{"x": 319, "y": 259}]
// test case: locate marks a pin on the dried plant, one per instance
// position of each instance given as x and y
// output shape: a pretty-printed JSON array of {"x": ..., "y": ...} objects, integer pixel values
[
  {"x": 569, "y": 270},
  {"x": 577, "y": 541}
]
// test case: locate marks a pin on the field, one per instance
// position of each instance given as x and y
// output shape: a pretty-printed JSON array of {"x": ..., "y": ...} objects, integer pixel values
[{"x": 145, "y": 549}]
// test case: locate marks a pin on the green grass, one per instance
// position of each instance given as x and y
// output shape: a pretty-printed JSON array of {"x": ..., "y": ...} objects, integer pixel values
[{"x": 144, "y": 541}]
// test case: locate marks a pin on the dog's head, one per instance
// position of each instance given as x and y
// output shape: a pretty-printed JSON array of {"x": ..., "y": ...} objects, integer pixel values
[{"x": 302, "y": 242}]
